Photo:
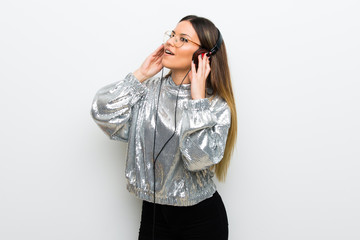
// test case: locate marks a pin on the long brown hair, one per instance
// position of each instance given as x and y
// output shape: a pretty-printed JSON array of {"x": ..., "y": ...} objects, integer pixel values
[{"x": 219, "y": 81}]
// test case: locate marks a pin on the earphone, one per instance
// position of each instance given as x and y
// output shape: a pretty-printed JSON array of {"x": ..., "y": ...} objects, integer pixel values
[
  {"x": 202, "y": 51},
  {"x": 154, "y": 159}
]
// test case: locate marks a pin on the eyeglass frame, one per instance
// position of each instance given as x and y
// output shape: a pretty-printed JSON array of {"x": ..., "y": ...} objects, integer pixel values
[{"x": 170, "y": 32}]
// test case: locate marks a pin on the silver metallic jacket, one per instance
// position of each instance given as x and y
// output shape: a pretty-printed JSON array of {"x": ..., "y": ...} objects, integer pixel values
[{"x": 125, "y": 110}]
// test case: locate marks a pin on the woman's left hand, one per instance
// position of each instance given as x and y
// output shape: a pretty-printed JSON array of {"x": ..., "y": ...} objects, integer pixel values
[{"x": 198, "y": 78}]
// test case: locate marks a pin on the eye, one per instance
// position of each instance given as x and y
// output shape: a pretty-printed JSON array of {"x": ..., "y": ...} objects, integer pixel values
[
  {"x": 172, "y": 34},
  {"x": 183, "y": 39}
]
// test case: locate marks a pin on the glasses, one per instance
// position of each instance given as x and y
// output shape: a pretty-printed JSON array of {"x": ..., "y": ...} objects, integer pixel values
[{"x": 178, "y": 40}]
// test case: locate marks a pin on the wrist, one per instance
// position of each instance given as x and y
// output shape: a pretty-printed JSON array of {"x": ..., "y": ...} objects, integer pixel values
[
  {"x": 198, "y": 96},
  {"x": 141, "y": 77}
]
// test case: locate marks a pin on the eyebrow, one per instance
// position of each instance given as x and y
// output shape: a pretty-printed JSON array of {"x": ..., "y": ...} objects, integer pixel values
[{"x": 181, "y": 33}]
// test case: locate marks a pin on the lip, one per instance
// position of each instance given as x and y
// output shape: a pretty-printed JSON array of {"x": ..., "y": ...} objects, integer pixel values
[{"x": 169, "y": 51}]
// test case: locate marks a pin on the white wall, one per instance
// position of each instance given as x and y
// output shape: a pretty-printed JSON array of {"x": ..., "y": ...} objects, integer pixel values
[{"x": 295, "y": 71}]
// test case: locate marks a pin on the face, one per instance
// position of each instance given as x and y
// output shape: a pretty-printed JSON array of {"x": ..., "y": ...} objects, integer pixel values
[{"x": 181, "y": 57}]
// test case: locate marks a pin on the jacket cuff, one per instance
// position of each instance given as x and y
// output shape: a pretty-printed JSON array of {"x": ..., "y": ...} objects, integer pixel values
[
  {"x": 197, "y": 104},
  {"x": 135, "y": 83}
]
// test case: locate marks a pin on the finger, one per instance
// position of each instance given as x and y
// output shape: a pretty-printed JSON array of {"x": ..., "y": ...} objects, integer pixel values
[
  {"x": 202, "y": 67},
  {"x": 207, "y": 69},
  {"x": 158, "y": 61},
  {"x": 159, "y": 51},
  {"x": 160, "y": 48},
  {"x": 159, "y": 56},
  {"x": 204, "y": 64},
  {"x": 193, "y": 70},
  {"x": 208, "y": 63},
  {"x": 200, "y": 63}
]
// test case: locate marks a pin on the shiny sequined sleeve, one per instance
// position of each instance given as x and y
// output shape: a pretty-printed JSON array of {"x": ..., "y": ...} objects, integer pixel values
[
  {"x": 204, "y": 132},
  {"x": 112, "y": 106}
]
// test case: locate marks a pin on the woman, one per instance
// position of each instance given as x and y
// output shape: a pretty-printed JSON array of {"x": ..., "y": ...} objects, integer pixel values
[{"x": 180, "y": 129}]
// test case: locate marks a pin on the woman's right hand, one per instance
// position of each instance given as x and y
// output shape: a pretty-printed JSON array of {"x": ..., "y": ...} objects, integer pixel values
[{"x": 151, "y": 66}]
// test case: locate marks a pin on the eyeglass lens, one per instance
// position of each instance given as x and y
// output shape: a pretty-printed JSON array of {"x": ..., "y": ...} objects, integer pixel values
[{"x": 170, "y": 34}]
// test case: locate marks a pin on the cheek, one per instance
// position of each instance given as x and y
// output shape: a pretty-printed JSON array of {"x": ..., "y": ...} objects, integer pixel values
[{"x": 185, "y": 56}]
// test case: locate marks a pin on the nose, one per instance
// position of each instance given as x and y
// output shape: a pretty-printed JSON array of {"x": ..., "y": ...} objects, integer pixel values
[{"x": 170, "y": 41}]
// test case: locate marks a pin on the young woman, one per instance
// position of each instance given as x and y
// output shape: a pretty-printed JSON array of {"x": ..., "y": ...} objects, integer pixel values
[{"x": 180, "y": 129}]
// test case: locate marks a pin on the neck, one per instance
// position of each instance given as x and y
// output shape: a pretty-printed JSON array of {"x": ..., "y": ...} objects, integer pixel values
[{"x": 178, "y": 76}]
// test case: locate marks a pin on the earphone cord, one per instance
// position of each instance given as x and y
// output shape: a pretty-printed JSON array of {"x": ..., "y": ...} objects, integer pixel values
[{"x": 153, "y": 232}]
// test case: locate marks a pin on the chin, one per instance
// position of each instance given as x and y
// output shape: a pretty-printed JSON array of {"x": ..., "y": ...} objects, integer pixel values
[{"x": 170, "y": 65}]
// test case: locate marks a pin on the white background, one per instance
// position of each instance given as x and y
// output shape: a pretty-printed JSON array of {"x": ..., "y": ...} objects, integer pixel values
[{"x": 295, "y": 73}]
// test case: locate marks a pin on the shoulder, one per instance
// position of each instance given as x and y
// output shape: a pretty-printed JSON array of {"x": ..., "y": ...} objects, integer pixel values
[{"x": 152, "y": 82}]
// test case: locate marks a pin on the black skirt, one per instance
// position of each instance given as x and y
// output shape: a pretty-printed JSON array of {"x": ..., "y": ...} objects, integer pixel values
[{"x": 205, "y": 220}]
